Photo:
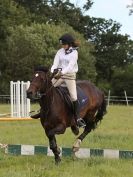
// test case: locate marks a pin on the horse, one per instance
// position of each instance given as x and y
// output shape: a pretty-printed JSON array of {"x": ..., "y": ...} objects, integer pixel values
[{"x": 56, "y": 115}]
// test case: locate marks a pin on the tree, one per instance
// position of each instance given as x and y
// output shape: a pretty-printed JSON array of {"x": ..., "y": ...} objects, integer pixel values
[
  {"x": 29, "y": 46},
  {"x": 10, "y": 16},
  {"x": 111, "y": 48},
  {"x": 55, "y": 11},
  {"x": 123, "y": 80},
  {"x": 130, "y": 8}
]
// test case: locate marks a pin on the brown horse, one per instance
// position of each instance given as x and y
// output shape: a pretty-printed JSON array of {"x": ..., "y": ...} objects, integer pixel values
[{"x": 56, "y": 115}]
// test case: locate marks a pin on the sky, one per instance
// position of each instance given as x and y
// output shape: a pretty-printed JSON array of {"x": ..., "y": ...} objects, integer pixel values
[{"x": 111, "y": 9}]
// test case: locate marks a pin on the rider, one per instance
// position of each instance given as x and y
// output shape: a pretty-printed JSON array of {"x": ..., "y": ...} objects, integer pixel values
[{"x": 66, "y": 59}]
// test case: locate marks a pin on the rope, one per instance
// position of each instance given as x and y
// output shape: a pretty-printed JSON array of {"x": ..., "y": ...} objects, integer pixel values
[{"x": 3, "y": 146}]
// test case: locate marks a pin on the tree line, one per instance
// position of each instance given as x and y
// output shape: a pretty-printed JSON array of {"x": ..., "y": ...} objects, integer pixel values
[{"x": 29, "y": 32}]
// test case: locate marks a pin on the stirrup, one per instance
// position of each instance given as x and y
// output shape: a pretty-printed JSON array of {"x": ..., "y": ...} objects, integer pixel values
[{"x": 81, "y": 123}]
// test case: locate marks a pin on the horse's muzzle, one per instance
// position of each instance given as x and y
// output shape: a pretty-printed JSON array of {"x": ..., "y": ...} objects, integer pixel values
[{"x": 29, "y": 95}]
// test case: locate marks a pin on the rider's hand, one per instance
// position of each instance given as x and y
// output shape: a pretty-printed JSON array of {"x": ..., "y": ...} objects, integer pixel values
[
  {"x": 58, "y": 75},
  {"x": 55, "y": 71}
]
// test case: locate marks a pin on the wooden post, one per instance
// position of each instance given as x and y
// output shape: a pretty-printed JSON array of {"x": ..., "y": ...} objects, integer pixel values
[{"x": 126, "y": 97}]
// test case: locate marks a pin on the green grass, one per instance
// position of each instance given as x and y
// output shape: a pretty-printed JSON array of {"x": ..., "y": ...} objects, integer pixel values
[
  {"x": 115, "y": 131},
  {"x": 5, "y": 108},
  {"x": 42, "y": 166}
]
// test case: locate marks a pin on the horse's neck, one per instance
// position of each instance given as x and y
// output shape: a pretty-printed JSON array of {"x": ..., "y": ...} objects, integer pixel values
[
  {"x": 50, "y": 97},
  {"x": 47, "y": 99}
]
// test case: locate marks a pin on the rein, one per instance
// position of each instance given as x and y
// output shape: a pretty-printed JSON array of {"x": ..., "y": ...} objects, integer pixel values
[
  {"x": 44, "y": 94},
  {"x": 39, "y": 95}
]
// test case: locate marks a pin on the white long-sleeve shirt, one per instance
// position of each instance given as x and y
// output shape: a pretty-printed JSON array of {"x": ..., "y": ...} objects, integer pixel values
[{"x": 68, "y": 62}]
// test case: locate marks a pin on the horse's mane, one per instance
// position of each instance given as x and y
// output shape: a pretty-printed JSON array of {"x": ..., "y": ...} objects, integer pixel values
[{"x": 41, "y": 68}]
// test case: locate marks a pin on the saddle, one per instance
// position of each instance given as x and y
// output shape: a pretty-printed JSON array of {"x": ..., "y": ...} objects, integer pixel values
[{"x": 64, "y": 93}]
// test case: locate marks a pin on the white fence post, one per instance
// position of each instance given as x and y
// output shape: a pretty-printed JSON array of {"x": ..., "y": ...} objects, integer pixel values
[
  {"x": 20, "y": 105},
  {"x": 126, "y": 97},
  {"x": 11, "y": 97},
  {"x": 22, "y": 98},
  {"x": 18, "y": 99},
  {"x": 28, "y": 100},
  {"x": 108, "y": 97}
]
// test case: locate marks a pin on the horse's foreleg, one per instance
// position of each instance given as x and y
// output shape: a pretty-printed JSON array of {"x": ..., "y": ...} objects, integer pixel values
[
  {"x": 60, "y": 129},
  {"x": 77, "y": 143},
  {"x": 54, "y": 148}
]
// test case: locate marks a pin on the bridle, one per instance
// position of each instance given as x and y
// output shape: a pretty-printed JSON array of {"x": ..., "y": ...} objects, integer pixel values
[
  {"x": 45, "y": 81},
  {"x": 39, "y": 95}
]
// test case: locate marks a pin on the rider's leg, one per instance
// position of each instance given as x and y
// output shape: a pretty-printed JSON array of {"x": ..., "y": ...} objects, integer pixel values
[
  {"x": 71, "y": 85},
  {"x": 80, "y": 121},
  {"x": 57, "y": 82}
]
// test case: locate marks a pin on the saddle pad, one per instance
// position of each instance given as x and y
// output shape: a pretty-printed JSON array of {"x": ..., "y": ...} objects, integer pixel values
[{"x": 82, "y": 98}]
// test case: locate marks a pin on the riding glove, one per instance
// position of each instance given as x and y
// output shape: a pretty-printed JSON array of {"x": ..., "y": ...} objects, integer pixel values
[{"x": 58, "y": 75}]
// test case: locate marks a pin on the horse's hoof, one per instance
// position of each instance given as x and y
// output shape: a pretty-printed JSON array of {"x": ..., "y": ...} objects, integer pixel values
[
  {"x": 76, "y": 145},
  {"x": 75, "y": 149},
  {"x": 57, "y": 161}
]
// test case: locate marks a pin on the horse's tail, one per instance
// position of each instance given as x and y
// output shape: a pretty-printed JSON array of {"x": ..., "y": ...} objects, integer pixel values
[{"x": 101, "y": 111}]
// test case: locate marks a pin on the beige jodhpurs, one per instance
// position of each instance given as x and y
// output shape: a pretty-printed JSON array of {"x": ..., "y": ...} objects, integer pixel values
[{"x": 69, "y": 80}]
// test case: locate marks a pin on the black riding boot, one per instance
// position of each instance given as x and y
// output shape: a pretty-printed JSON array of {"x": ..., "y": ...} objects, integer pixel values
[{"x": 80, "y": 121}]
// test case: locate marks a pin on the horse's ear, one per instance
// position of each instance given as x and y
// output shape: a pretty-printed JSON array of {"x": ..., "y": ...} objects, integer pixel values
[{"x": 41, "y": 68}]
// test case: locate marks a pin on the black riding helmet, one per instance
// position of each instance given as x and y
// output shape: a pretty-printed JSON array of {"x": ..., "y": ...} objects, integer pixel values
[{"x": 66, "y": 39}]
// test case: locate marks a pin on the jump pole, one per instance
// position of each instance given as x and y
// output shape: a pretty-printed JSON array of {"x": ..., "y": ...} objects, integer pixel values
[
  {"x": 15, "y": 119},
  {"x": 14, "y": 149}
]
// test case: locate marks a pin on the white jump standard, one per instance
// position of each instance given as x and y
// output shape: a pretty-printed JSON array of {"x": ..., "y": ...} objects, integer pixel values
[{"x": 20, "y": 105}]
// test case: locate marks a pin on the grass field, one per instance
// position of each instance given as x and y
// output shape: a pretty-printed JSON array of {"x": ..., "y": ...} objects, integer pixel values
[{"x": 115, "y": 131}]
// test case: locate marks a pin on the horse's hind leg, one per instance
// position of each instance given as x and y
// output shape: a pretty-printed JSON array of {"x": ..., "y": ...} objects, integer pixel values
[
  {"x": 76, "y": 145},
  {"x": 54, "y": 148}
]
